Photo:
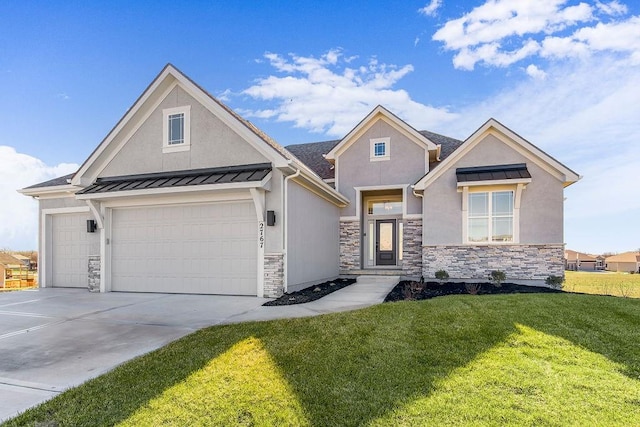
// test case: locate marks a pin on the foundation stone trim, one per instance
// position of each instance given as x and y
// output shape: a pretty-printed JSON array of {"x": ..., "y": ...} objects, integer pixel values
[
  {"x": 412, "y": 247},
  {"x": 349, "y": 245},
  {"x": 94, "y": 273},
  {"x": 273, "y": 275},
  {"x": 519, "y": 262}
]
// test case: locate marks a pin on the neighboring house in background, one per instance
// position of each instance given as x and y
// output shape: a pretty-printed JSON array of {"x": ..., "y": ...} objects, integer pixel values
[
  {"x": 625, "y": 262},
  {"x": 26, "y": 261},
  {"x": 184, "y": 195},
  {"x": 7, "y": 263},
  {"x": 578, "y": 261}
]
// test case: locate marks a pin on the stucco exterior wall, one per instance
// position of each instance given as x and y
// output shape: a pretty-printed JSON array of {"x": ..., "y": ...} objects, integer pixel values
[
  {"x": 213, "y": 144},
  {"x": 541, "y": 209},
  {"x": 312, "y": 238},
  {"x": 273, "y": 202},
  {"x": 405, "y": 166},
  {"x": 62, "y": 202}
]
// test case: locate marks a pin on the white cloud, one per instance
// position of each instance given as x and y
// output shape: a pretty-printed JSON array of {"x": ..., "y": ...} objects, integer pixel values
[
  {"x": 535, "y": 72},
  {"x": 502, "y": 32},
  {"x": 331, "y": 95},
  {"x": 19, "y": 214},
  {"x": 431, "y": 8}
]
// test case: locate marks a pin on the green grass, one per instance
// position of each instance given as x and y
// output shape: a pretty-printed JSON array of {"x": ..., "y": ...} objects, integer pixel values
[
  {"x": 520, "y": 359},
  {"x": 603, "y": 283}
]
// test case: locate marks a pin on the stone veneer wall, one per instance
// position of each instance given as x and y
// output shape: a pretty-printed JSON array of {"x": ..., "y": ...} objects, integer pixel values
[
  {"x": 519, "y": 262},
  {"x": 349, "y": 245},
  {"x": 94, "y": 273},
  {"x": 273, "y": 275},
  {"x": 412, "y": 247}
]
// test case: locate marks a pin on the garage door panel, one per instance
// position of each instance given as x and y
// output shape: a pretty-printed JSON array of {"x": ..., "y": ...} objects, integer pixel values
[{"x": 209, "y": 248}]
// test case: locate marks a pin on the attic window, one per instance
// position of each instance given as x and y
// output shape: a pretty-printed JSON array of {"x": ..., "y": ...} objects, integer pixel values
[
  {"x": 176, "y": 134},
  {"x": 380, "y": 149}
]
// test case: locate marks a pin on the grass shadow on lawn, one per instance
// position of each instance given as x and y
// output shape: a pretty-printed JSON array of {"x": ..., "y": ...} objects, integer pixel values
[{"x": 341, "y": 369}]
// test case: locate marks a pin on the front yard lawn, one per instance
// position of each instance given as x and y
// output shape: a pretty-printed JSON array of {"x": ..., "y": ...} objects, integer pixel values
[{"x": 519, "y": 359}]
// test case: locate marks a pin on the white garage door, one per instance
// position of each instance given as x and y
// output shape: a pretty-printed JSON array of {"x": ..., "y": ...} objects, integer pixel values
[
  {"x": 71, "y": 246},
  {"x": 203, "y": 249}
]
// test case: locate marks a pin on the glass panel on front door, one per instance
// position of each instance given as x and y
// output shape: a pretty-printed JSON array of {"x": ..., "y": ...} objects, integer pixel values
[
  {"x": 386, "y": 248},
  {"x": 386, "y": 236}
]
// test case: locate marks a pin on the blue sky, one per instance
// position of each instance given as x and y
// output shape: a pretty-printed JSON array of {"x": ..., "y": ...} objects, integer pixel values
[{"x": 563, "y": 74}]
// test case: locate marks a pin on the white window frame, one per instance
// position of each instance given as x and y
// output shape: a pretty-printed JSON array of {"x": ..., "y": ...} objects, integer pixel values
[
  {"x": 516, "y": 190},
  {"x": 387, "y": 149},
  {"x": 184, "y": 146}
]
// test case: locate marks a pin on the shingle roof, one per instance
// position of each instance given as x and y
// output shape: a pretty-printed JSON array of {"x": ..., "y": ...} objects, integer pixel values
[
  {"x": 311, "y": 155},
  {"x": 447, "y": 146},
  {"x": 231, "y": 174},
  {"x": 8, "y": 259},
  {"x": 625, "y": 257},
  {"x": 54, "y": 182},
  {"x": 492, "y": 173},
  {"x": 571, "y": 255}
]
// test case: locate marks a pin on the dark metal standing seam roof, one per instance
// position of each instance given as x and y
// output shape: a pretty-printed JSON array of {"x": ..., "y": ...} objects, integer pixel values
[
  {"x": 492, "y": 173},
  {"x": 224, "y": 175}
]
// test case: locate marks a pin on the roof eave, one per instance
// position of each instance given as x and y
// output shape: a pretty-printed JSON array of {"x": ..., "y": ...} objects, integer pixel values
[{"x": 50, "y": 191}]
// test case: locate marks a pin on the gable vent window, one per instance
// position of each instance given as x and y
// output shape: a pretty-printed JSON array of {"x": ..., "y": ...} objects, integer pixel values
[
  {"x": 380, "y": 149},
  {"x": 176, "y": 129}
]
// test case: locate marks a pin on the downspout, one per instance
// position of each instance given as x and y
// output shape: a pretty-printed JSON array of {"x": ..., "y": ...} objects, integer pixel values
[
  {"x": 413, "y": 189},
  {"x": 285, "y": 225}
]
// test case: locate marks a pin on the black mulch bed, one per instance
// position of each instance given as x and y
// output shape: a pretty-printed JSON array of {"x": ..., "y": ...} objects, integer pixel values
[
  {"x": 311, "y": 293},
  {"x": 408, "y": 290}
]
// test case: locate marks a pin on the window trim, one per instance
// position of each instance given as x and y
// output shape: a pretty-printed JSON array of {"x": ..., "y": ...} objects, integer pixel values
[
  {"x": 184, "y": 146},
  {"x": 372, "y": 149},
  {"x": 517, "y": 195}
]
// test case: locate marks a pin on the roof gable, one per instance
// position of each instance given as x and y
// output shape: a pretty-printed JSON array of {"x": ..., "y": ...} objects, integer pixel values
[
  {"x": 162, "y": 85},
  {"x": 381, "y": 113},
  {"x": 510, "y": 138}
]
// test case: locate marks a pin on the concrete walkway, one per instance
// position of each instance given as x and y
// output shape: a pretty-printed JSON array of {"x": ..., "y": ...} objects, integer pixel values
[
  {"x": 367, "y": 291},
  {"x": 54, "y": 339}
]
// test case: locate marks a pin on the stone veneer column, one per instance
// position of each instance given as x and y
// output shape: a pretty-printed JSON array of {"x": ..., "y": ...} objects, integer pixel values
[
  {"x": 519, "y": 262},
  {"x": 412, "y": 247},
  {"x": 94, "y": 273},
  {"x": 349, "y": 245},
  {"x": 273, "y": 275}
]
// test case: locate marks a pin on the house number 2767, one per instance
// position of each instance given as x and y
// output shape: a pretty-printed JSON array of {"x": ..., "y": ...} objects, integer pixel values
[{"x": 261, "y": 234}]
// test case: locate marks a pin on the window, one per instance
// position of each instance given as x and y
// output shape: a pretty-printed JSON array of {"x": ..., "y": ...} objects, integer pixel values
[
  {"x": 176, "y": 132},
  {"x": 380, "y": 149},
  {"x": 176, "y": 129},
  {"x": 384, "y": 208},
  {"x": 490, "y": 217}
]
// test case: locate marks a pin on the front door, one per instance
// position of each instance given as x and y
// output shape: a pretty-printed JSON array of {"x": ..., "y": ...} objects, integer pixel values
[{"x": 386, "y": 242}]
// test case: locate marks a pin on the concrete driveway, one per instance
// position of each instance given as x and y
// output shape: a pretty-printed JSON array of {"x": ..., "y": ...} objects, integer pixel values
[{"x": 53, "y": 339}]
